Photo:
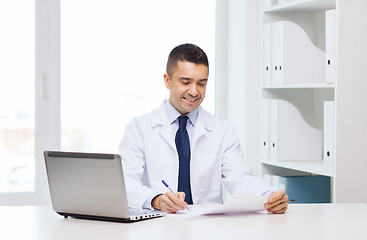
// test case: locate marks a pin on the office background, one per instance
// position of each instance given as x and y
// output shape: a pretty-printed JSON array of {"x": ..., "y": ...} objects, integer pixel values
[
  {"x": 234, "y": 30},
  {"x": 76, "y": 72}
]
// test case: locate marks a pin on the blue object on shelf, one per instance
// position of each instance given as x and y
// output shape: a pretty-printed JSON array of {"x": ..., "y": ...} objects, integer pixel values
[{"x": 307, "y": 189}]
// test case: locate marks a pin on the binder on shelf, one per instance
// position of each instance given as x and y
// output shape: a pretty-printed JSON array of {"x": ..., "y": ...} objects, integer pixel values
[
  {"x": 264, "y": 131},
  {"x": 295, "y": 59},
  {"x": 330, "y": 45},
  {"x": 266, "y": 3},
  {"x": 273, "y": 129},
  {"x": 269, "y": 3},
  {"x": 292, "y": 137},
  {"x": 277, "y": 182},
  {"x": 277, "y": 52},
  {"x": 307, "y": 189},
  {"x": 267, "y": 53},
  {"x": 329, "y": 117}
]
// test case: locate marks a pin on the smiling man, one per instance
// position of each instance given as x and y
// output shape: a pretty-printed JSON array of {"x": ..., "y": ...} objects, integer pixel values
[{"x": 192, "y": 150}]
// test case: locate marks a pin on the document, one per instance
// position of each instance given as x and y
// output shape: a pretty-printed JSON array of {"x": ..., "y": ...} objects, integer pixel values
[
  {"x": 234, "y": 205},
  {"x": 240, "y": 204}
]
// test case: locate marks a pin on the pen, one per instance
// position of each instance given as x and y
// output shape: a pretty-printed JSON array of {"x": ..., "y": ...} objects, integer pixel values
[{"x": 166, "y": 184}]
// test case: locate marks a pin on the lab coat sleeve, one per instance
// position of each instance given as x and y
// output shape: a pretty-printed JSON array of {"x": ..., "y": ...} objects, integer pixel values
[
  {"x": 133, "y": 162},
  {"x": 236, "y": 176}
]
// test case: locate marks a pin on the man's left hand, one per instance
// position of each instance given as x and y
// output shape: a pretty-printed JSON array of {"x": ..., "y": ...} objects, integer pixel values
[{"x": 277, "y": 202}]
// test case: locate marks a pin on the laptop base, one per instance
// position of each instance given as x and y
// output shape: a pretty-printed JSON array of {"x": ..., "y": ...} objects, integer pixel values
[{"x": 102, "y": 218}]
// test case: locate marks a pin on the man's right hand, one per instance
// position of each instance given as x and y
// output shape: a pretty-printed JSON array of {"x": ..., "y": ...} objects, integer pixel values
[{"x": 169, "y": 202}]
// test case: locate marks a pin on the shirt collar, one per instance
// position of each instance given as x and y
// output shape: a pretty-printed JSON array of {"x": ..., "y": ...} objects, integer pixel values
[{"x": 173, "y": 114}]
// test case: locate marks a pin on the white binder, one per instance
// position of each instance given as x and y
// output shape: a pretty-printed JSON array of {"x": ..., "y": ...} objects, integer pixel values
[
  {"x": 277, "y": 52},
  {"x": 292, "y": 138},
  {"x": 267, "y": 54},
  {"x": 267, "y": 3},
  {"x": 273, "y": 129},
  {"x": 329, "y": 121},
  {"x": 264, "y": 131},
  {"x": 295, "y": 59},
  {"x": 330, "y": 45}
]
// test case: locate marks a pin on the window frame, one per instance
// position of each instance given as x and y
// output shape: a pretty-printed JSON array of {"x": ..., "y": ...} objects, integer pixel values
[{"x": 47, "y": 100}]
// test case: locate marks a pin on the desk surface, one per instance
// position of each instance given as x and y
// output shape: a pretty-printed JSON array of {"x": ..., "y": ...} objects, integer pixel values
[{"x": 304, "y": 221}]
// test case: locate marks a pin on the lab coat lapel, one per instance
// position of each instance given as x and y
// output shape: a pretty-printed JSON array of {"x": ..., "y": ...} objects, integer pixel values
[
  {"x": 160, "y": 120},
  {"x": 166, "y": 133},
  {"x": 202, "y": 126}
]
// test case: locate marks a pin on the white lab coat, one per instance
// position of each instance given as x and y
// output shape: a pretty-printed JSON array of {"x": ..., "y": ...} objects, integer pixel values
[{"x": 149, "y": 155}]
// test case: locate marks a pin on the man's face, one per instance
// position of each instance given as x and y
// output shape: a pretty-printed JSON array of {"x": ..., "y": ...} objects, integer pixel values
[{"x": 187, "y": 86}]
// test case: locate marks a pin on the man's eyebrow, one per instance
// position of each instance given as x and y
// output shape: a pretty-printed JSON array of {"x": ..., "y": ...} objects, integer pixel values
[
  {"x": 190, "y": 79},
  {"x": 185, "y": 78}
]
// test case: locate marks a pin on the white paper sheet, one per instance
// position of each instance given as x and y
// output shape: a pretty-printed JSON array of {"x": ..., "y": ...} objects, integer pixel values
[
  {"x": 240, "y": 204},
  {"x": 235, "y": 204}
]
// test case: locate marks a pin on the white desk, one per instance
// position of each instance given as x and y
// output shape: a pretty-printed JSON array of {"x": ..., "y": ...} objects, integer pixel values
[{"x": 323, "y": 221}]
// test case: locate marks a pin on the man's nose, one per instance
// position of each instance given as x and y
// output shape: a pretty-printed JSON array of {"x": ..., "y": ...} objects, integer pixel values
[{"x": 193, "y": 91}]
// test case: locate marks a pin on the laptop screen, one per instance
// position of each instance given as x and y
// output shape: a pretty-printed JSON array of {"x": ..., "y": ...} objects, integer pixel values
[{"x": 87, "y": 184}]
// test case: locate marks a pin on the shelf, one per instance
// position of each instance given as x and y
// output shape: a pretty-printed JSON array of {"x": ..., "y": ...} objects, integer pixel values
[
  {"x": 312, "y": 167},
  {"x": 340, "y": 84},
  {"x": 302, "y": 6},
  {"x": 292, "y": 86}
]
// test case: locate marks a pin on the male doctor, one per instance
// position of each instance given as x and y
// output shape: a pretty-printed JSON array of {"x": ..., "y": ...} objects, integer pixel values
[{"x": 192, "y": 150}]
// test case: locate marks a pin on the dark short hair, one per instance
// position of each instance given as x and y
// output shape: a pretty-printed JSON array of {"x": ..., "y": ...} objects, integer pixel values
[{"x": 186, "y": 52}]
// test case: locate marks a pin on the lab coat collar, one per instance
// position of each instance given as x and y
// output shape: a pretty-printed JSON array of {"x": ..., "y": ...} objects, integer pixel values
[
  {"x": 173, "y": 114},
  {"x": 160, "y": 119},
  {"x": 203, "y": 121}
]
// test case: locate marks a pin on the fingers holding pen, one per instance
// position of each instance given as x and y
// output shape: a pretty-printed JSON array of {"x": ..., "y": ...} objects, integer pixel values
[
  {"x": 181, "y": 195},
  {"x": 167, "y": 205},
  {"x": 176, "y": 200},
  {"x": 170, "y": 202}
]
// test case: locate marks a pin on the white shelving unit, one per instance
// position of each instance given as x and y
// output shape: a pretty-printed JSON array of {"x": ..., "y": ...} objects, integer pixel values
[
  {"x": 297, "y": 5},
  {"x": 295, "y": 86},
  {"x": 296, "y": 168},
  {"x": 318, "y": 105}
]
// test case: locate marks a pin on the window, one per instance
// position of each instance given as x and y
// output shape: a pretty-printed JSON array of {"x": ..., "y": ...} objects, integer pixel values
[
  {"x": 113, "y": 57},
  {"x": 17, "y": 105}
]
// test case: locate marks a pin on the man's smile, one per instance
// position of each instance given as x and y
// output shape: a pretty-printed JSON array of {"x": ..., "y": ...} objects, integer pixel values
[{"x": 192, "y": 99}]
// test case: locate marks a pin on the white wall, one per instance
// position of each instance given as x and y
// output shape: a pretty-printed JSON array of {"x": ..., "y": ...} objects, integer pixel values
[
  {"x": 237, "y": 71},
  {"x": 253, "y": 81},
  {"x": 351, "y": 119}
]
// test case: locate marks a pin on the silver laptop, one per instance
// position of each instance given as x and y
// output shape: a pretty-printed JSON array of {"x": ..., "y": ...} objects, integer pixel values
[{"x": 90, "y": 186}]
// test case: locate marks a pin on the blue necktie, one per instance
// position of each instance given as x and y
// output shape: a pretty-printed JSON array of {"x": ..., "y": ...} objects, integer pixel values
[{"x": 183, "y": 149}]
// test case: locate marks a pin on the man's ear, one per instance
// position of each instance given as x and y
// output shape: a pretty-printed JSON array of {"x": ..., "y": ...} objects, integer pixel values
[{"x": 167, "y": 81}]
